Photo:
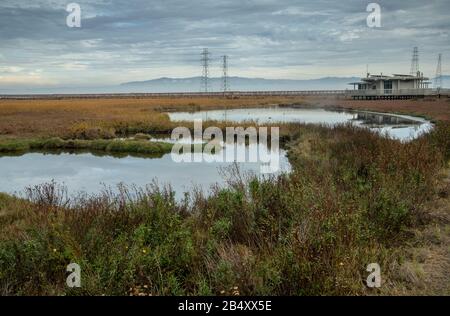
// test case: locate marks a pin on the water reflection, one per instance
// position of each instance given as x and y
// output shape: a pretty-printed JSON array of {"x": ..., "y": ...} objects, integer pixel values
[
  {"x": 91, "y": 172},
  {"x": 400, "y": 127},
  {"x": 376, "y": 119}
]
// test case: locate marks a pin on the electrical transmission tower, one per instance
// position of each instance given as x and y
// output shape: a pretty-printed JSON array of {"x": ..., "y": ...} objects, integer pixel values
[
  {"x": 438, "y": 78},
  {"x": 415, "y": 62},
  {"x": 225, "y": 74},
  {"x": 205, "y": 64}
]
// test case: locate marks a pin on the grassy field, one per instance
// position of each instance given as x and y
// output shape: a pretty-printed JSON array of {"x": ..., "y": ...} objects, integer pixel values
[
  {"x": 353, "y": 198},
  {"x": 106, "y": 118},
  {"x": 94, "y": 123}
]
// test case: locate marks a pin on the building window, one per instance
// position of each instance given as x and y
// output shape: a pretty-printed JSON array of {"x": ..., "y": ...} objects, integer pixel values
[{"x": 388, "y": 85}]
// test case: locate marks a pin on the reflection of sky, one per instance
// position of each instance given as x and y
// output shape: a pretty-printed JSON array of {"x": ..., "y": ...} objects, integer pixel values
[
  {"x": 405, "y": 133},
  {"x": 270, "y": 115},
  {"x": 315, "y": 116},
  {"x": 86, "y": 172}
]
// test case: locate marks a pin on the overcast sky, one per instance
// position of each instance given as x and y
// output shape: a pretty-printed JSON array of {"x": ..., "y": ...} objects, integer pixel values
[{"x": 131, "y": 40}]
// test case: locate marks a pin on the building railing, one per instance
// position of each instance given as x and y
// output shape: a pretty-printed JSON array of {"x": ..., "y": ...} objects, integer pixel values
[{"x": 393, "y": 92}]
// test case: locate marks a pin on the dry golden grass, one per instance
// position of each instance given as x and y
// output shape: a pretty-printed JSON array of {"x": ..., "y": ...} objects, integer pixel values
[{"x": 50, "y": 118}]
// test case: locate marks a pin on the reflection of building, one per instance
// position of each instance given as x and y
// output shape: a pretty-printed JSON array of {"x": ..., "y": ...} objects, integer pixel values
[
  {"x": 390, "y": 87},
  {"x": 369, "y": 118}
]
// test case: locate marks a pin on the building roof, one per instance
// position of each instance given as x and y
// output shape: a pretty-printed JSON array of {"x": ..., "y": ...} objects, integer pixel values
[{"x": 394, "y": 77}]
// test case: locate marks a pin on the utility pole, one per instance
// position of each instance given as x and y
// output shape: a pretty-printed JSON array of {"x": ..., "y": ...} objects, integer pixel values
[
  {"x": 438, "y": 77},
  {"x": 415, "y": 62},
  {"x": 205, "y": 74},
  {"x": 225, "y": 74}
]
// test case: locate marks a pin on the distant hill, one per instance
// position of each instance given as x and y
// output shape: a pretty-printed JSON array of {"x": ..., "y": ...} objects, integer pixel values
[
  {"x": 193, "y": 84},
  {"x": 445, "y": 82}
]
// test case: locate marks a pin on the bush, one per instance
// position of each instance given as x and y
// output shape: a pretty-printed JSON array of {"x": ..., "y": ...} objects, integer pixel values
[{"x": 307, "y": 233}]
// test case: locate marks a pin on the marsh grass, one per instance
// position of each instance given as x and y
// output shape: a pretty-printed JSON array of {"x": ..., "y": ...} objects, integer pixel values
[
  {"x": 102, "y": 145},
  {"x": 107, "y": 118},
  {"x": 348, "y": 202}
]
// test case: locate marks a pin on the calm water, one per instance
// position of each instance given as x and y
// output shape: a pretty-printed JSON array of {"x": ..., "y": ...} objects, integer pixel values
[
  {"x": 91, "y": 173},
  {"x": 396, "y": 126}
]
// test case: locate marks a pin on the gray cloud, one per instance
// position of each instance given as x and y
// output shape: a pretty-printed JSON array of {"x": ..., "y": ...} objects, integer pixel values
[{"x": 142, "y": 39}]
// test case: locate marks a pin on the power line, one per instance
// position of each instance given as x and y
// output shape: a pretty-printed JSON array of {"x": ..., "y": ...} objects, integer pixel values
[
  {"x": 438, "y": 77},
  {"x": 205, "y": 74}
]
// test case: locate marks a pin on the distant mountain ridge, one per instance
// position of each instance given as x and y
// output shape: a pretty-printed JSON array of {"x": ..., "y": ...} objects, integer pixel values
[{"x": 193, "y": 84}]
